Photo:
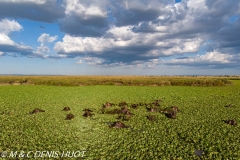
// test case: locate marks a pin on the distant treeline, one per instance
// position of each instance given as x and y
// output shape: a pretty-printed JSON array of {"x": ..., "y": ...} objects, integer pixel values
[{"x": 117, "y": 80}]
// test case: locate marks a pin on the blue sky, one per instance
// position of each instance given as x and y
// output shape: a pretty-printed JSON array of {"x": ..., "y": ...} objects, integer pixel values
[{"x": 127, "y": 37}]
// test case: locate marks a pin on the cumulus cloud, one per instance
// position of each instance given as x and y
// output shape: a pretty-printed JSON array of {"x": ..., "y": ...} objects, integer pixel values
[
  {"x": 118, "y": 45},
  {"x": 143, "y": 31},
  {"x": 43, "y": 50},
  {"x": 46, "y": 38},
  {"x": 7, "y": 26},
  {"x": 121, "y": 44},
  {"x": 9, "y": 47},
  {"x": 6, "y": 44},
  {"x": 39, "y": 10},
  {"x": 213, "y": 59},
  {"x": 135, "y": 33},
  {"x": 85, "y": 18}
]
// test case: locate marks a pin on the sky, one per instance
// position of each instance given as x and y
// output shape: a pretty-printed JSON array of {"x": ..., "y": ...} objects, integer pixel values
[{"x": 120, "y": 37}]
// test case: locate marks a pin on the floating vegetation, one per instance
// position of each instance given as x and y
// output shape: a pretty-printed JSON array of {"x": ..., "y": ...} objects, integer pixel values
[
  {"x": 197, "y": 131},
  {"x": 122, "y": 104}
]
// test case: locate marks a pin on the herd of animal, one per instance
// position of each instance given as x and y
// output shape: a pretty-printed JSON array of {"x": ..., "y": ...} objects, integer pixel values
[{"x": 124, "y": 113}]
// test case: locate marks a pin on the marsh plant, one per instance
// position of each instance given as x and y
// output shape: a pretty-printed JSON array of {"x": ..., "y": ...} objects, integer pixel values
[{"x": 188, "y": 123}]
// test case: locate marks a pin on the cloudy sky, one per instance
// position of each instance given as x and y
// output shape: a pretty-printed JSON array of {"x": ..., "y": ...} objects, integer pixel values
[{"x": 120, "y": 37}]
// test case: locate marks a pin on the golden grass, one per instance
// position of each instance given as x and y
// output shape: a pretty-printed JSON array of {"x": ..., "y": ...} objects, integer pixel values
[{"x": 119, "y": 80}]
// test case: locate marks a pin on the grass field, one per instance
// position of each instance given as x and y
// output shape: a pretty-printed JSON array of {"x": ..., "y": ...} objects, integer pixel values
[{"x": 199, "y": 131}]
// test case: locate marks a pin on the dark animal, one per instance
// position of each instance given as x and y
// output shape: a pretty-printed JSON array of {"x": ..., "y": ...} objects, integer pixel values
[
  {"x": 37, "y": 110},
  {"x": 124, "y": 117},
  {"x": 118, "y": 125},
  {"x": 69, "y": 116},
  {"x": 151, "y": 117},
  {"x": 115, "y": 111},
  {"x": 171, "y": 114},
  {"x": 124, "y": 109},
  {"x": 152, "y": 109},
  {"x": 229, "y": 105},
  {"x": 158, "y": 100},
  {"x": 134, "y": 106},
  {"x": 87, "y": 110},
  {"x": 163, "y": 110},
  {"x": 66, "y": 109},
  {"x": 88, "y": 114},
  {"x": 175, "y": 109},
  {"x": 156, "y": 104},
  {"x": 231, "y": 122},
  {"x": 125, "y": 114},
  {"x": 128, "y": 113},
  {"x": 107, "y": 105}
]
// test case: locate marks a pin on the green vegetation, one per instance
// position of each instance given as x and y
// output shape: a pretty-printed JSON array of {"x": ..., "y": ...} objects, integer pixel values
[
  {"x": 199, "y": 124},
  {"x": 117, "y": 80}
]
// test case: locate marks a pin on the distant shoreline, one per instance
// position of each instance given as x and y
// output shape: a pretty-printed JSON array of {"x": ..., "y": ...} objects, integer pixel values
[{"x": 60, "y": 80}]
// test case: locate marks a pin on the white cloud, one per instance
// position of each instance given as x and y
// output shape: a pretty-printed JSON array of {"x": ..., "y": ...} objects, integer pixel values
[
  {"x": 141, "y": 31},
  {"x": 6, "y": 44},
  {"x": 123, "y": 41},
  {"x": 7, "y": 26},
  {"x": 84, "y": 10},
  {"x": 183, "y": 46},
  {"x": 214, "y": 57},
  {"x": 42, "y": 50},
  {"x": 80, "y": 61},
  {"x": 46, "y": 38},
  {"x": 116, "y": 37},
  {"x": 5, "y": 40},
  {"x": 93, "y": 60}
]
